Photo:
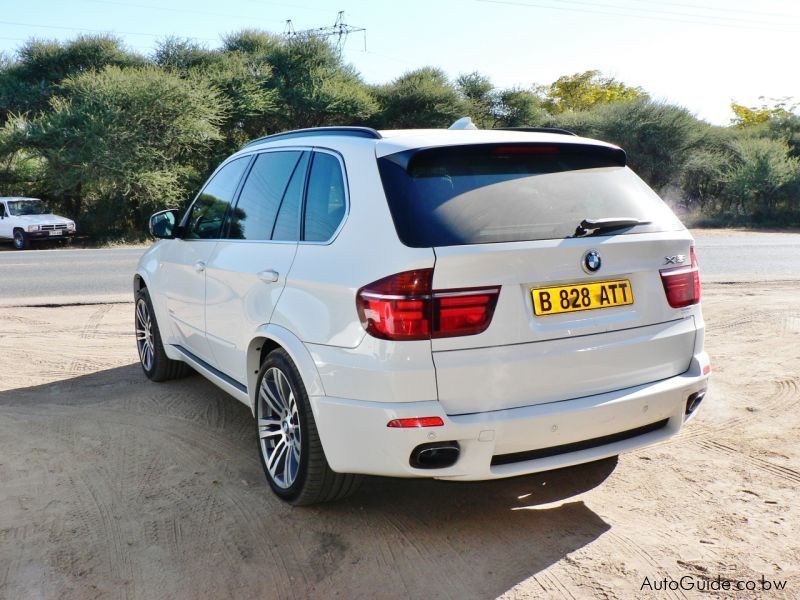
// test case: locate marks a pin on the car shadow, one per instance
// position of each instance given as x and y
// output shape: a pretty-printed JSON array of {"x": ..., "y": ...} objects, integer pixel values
[{"x": 158, "y": 488}]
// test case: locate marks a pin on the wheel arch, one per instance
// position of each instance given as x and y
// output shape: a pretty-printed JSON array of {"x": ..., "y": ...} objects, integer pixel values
[
  {"x": 271, "y": 337},
  {"x": 138, "y": 282}
]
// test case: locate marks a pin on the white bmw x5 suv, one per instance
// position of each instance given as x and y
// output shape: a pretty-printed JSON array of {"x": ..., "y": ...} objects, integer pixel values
[{"x": 464, "y": 305}]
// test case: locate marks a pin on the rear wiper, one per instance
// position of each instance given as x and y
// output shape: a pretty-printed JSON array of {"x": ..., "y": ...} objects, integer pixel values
[{"x": 595, "y": 226}]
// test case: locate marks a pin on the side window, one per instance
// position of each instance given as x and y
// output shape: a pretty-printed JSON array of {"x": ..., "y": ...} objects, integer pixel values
[
  {"x": 203, "y": 220},
  {"x": 258, "y": 204},
  {"x": 325, "y": 199},
  {"x": 287, "y": 225},
  {"x": 2, "y": 210}
]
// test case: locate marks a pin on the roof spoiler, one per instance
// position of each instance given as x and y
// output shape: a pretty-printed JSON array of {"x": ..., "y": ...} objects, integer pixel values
[{"x": 557, "y": 130}]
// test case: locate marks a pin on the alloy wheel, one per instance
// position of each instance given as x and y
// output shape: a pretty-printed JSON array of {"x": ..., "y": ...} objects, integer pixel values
[
  {"x": 279, "y": 431},
  {"x": 144, "y": 334}
]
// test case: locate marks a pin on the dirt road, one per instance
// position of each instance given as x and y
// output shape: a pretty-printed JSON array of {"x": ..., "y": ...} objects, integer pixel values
[{"x": 113, "y": 487}]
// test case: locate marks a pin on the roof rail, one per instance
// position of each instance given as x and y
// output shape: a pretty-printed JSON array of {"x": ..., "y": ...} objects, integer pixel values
[
  {"x": 538, "y": 130},
  {"x": 361, "y": 132}
]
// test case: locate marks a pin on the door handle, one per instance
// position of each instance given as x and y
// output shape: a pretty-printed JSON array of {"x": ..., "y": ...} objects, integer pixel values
[
  {"x": 268, "y": 276},
  {"x": 200, "y": 266}
]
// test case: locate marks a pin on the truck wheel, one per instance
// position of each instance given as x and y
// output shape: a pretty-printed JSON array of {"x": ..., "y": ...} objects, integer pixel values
[
  {"x": 21, "y": 241},
  {"x": 291, "y": 452}
]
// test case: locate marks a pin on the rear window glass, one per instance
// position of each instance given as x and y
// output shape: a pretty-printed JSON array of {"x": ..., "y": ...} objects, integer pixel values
[
  {"x": 508, "y": 193},
  {"x": 325, "y": 199}
]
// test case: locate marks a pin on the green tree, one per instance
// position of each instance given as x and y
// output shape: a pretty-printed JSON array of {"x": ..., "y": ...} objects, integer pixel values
[
  {"x": 659, "y": 138},
  {"x": 763, "y": 182},
  {"x": 121, "y": 143},
  {"x": 774, "y": 109},
  {"x": 242, "y": 78},
  {"x": 583, "y": 91},
  {"x": 20, "y": 170},
  {"x": 180, "y": 55},
  {"x": 28, "y": 83},
  {"x": 786, "y": 127},
  {"x": 312, "y": 83},
  {"x": 251, "y": 41},
  {"x": 520, "y": 108},
  {"x": 480, "y": 99},
  {"x": 701, "y": 180},
  {"x": 420, "y": 98}
]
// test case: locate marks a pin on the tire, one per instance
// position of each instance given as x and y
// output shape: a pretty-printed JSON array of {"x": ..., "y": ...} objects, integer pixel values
[
  {"x": 21, "y": 241},
  {"x": 155, "y": 363},
  {"x": 288, "y": 442}
]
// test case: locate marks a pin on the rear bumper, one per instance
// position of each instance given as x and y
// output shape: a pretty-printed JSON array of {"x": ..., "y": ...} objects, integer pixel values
[{"x": 356, "y": 439}]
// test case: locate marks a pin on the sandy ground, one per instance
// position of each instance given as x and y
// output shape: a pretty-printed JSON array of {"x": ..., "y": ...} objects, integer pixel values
[{"x": 114, "y": 487}]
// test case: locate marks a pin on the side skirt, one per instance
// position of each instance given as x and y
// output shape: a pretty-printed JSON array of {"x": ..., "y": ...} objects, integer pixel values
[{"x": 215, "y": 376}]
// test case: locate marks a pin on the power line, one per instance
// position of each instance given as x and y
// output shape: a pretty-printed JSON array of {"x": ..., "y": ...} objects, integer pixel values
[
  {"x": 180, "y": 10},
  {"x": 287, "y": 5},
  {"x": 386, "y": 56},
  {"x": 663, "y": 12},
  {"x": 636, "y": 16},
  {"x": 105, "y": 31},
  {"x": 718, "y": 9}
]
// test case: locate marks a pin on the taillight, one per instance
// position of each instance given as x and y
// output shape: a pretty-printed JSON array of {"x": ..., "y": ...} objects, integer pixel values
[
  {"x": 416, "y": 422},
  {"x": 397, "y": 307},
  {"x": 682, "y": 284},
  {"x": 463, "y": 312},
  {"x": 405, "y": 307}
]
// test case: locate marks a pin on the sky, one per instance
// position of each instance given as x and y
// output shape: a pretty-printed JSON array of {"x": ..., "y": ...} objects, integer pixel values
[{"x": 701, "y": 55}]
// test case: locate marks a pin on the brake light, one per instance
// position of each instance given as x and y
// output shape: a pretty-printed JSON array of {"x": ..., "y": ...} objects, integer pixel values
[
  {"x": 525, "y": 149},
  {"x": 405, "y": 307},
  {"x": 682, "y": 284},
  {"x": 416, "y": 422}
]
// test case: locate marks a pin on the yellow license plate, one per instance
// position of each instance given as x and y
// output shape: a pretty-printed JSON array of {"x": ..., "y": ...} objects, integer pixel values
[{"x": 582, "y": 296}]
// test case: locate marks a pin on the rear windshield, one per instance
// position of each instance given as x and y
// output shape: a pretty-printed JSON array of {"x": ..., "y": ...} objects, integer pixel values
[{"x": 508, "y": 193}]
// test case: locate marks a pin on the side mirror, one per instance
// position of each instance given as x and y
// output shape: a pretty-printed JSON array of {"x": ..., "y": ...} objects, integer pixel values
[{"x": 163, "y": 224}]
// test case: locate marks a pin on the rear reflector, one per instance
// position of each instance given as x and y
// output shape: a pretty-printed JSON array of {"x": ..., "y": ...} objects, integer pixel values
[
  {"x": 405, "y": 307},
  {"x": 682, "y": 284},
  {"x": 706, "y": 369},
  {"x": 416, "y": 422}
]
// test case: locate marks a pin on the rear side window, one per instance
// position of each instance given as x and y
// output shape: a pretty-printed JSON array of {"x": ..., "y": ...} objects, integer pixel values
[
  {"x": 203, "y": 220},
  {"x": 287, "y": 225},
  {"x": 492, "y": 193},
  {"x": 261, "y": 195},
  {"x": 325, "y": 199}
]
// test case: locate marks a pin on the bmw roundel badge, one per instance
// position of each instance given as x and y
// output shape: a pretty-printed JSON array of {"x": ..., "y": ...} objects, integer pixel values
[{"x": 592, "y": 261}]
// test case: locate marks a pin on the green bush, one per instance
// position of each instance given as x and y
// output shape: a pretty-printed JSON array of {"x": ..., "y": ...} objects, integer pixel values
[
  {"x": 421, "y": 98},
  {"x": 762, "y": 184},
  {"x": 659, "y": 138},
  {"x": 118, "y": 144}
]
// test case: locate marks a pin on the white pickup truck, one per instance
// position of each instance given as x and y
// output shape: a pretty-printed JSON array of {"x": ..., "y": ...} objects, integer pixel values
[{"x": 25, "y": 219}]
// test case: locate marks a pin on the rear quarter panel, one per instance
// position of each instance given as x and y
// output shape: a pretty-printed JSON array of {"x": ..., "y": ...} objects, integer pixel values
[{"x": 319, "y": 301}]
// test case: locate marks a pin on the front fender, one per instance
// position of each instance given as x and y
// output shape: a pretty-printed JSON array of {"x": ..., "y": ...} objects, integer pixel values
[{"x": 147, "y": 275}]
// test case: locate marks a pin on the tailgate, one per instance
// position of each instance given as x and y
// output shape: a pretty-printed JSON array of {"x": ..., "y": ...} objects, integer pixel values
[{"x": 523, "y": 358}]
